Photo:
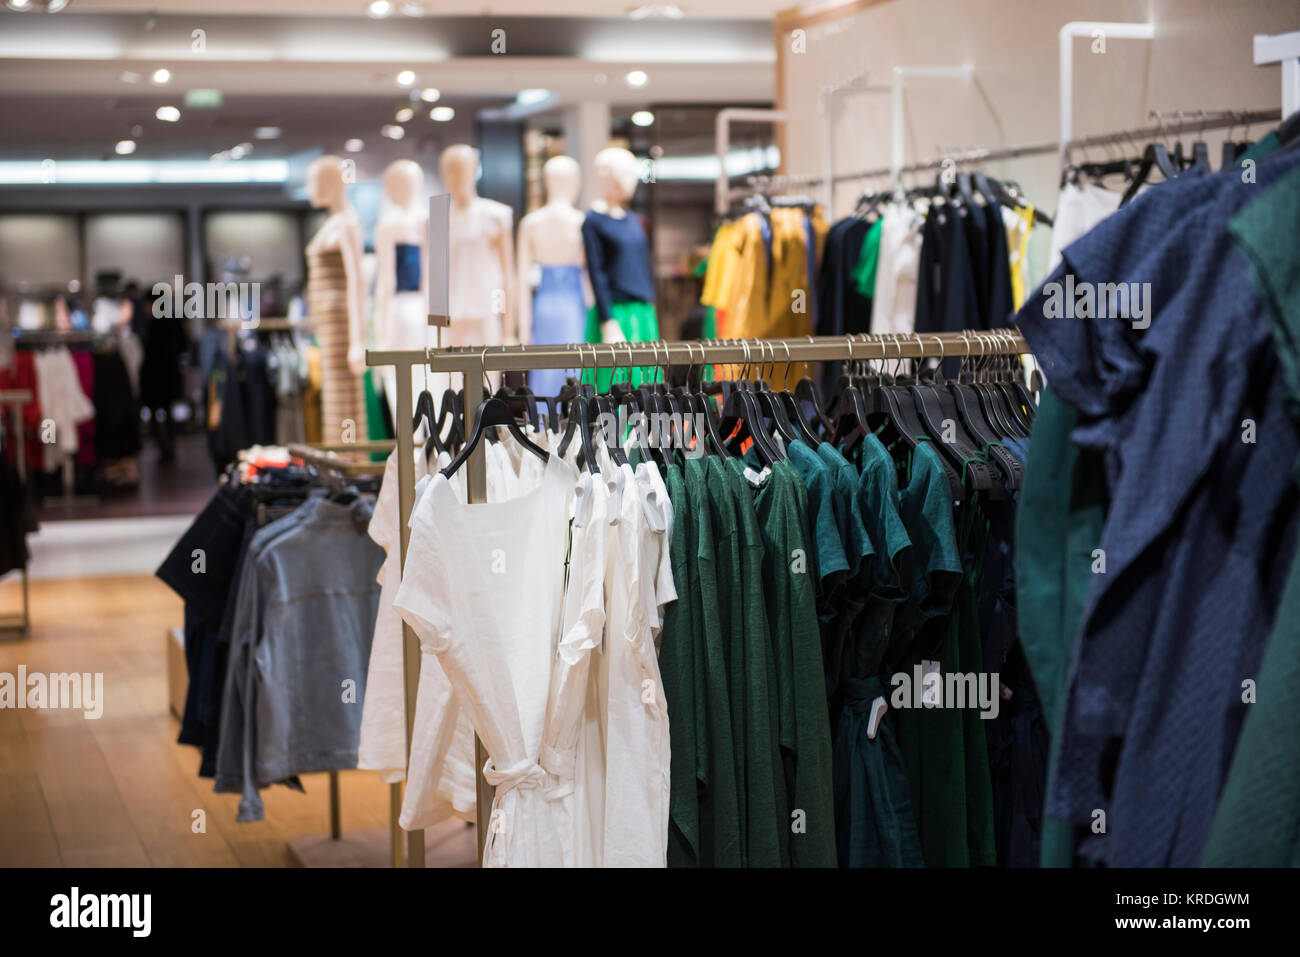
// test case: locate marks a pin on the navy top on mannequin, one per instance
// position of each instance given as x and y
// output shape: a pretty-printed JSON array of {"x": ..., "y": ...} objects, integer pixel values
[{"x": 618, "y": 260}]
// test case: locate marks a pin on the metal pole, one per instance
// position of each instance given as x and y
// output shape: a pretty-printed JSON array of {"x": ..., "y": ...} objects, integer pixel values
[
  {"x": 1065, "y": 63},
  {"x": 410, "y": 643}
]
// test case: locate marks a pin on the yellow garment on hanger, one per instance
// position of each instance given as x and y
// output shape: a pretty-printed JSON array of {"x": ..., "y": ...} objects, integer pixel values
[
  {"x": 794, "y": 271},
  {"x": 1018, "y": 253},
  {"x": 720, "y": 275}
]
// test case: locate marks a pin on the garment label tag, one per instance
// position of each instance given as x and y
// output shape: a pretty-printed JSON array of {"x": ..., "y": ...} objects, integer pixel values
[
  {"x": 878, "y": 709},
  {"x": 757, "y": 478}
]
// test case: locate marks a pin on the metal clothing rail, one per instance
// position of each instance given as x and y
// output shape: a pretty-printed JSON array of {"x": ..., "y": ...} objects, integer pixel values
[
  {"x": 16, "y": 399},
  {"x": 473, "y": 363},
  {"x": 1195, "y": 123}
]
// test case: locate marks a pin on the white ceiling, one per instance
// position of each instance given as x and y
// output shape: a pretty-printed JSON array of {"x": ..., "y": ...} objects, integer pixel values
[{"x": 728, "y": 9}]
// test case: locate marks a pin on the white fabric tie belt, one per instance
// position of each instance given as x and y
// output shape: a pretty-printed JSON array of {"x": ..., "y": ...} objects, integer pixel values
[{"x": 526, "y": 774}]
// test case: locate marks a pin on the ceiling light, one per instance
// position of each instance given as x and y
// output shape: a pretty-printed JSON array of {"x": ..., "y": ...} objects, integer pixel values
[
  {"x": 430, "y": 94},
  {"x": 236, "y": 153},
  {"x": 527, "y": 97},
  {"x": 643, "y": 118},
  {"x": 18, "y": 4},
  {"x": 637, "y": 78},
  {"x": 412, "y": 10},
  {"x": 266, "y": 133},
  {"x": 161, "y": 76},
  {"x": 404, "y": 114},
  {"x": 406, "y": 78},
  {"x": 379, "y": 9},
  {"x": 130, "y": 77},
  {"x": 442, "y": 114},
  {"x": 124, "y": 147},
  {"x": 354, "y": 146},
  {"x": 219, "y": 157},
  {"x": 54, "y": 6},
  {"x": 168, "y": 114},
  {"x": 393, "y": 132},
  {"x": 657, "y": 11}
]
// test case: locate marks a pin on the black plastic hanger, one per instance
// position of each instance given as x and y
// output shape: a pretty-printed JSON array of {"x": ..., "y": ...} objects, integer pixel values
[
  {"x": 1156, "y": 156},
  {"x": 493, "y": 412}
]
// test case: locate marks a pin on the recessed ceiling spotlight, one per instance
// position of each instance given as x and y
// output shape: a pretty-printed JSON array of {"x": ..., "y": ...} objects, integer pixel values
[
  {"x": 430, "y": 94},
  {"x": 238, "y": 152},
  {"x": 657, "y": 11},
  {"x": 412, "y": 9},
  {"x": 124, "y": 147},
  {"x": 18, "y": 4},
  {"x": 442, "y": 114},
  {"x": 221, "y": 157},
  {"x": 404, "y": 114},
  {"x": 393, "y": 132},
  {"x": 406, "y": 78},
  {"x": 266, "y": 133},
  {"x": 643, "y": 118},
  {"x": 168, "y": 114},
  {"x": 379, "y": 9},
  {"x": 161, "y": 76},
  {"x": 354, "y": 145},
  {"x": 527, "y": 97},
  {"x": 637, "y": 78}
]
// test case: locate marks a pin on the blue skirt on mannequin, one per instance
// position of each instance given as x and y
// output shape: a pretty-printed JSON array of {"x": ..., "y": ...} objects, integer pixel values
[{"x": 559, "y": 316}]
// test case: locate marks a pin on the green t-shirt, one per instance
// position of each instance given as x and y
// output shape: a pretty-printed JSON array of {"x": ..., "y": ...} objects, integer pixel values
[
  {"x": 1258, "y": 820},
  {"x": 878, "y": 500},
  {"x": 754, "y": 667},
  {"x": 805, "y": 733},
  {"x": 829, "y": 562},
  {"x": 864, "y": 273},
  {"x": 721, "y": 821},
  {"x": 677, "y": 652}
]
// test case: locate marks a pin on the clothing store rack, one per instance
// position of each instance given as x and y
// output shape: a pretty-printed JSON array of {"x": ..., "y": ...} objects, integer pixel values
[
  {"x": 474, "y": 363},
  {"x": 327, "y": 458},
  {"x": 234, "y": 326},
  {"x": 1195, "y": 122},
  {"x": 15, "y": 399}
]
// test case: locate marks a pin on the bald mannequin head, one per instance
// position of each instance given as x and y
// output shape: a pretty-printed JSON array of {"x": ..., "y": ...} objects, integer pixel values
[
  {"x": 458, "y": 167},
  {"x": 403, "y": 181},
  {"x": 325, "y": 186},
  {"x": 563, "y": 178}
]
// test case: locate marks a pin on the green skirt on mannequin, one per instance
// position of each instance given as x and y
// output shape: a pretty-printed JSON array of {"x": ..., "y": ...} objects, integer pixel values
[{"x": 638, "y": 323}]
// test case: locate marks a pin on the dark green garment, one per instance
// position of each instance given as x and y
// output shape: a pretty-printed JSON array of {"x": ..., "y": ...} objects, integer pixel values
[
  {"x": 874, "y": 820},
  {"x": 1058, "y": 526},
  {"x": 677, "y": 671},
  {"x": 1257, "y": 823},
  {"x": 878, "y": 499},
  {"x": 721, "y": 821},
  {"x": 829, "y": 563},
  {"x": 934, "y": 741},
  {"x": 803, "y": 722},
  {"x": 730, "y": 599},
  {"x": 767, "y": 831}
]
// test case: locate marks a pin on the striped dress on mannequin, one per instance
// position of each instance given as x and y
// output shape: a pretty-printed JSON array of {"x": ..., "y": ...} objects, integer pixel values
[{"x": 342, "y": 397}]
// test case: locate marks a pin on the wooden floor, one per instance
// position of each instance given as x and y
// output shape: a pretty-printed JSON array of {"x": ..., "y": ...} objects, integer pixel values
[{"x": 119, "y": 791}]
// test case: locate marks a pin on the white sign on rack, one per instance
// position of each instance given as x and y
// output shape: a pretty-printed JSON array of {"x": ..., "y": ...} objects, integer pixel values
[{"x": 439, "y": 258}]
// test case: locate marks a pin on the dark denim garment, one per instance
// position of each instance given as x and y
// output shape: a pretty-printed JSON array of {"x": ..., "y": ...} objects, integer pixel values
[
  {"x": 300, "y": 646},
  {"x": 1200, "y": 528}
]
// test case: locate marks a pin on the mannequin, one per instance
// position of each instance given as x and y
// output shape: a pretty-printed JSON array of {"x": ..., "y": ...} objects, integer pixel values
[
  {"x": 618, "y": 259},
  {"x": 401, "y": 280},
  {"x": 552, "y": 263},
  {"x": 336, "y": 302},
  {"x": 481, "y": 259}
]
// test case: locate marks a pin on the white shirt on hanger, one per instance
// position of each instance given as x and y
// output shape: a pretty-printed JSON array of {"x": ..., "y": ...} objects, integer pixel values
[{"x": 893, "y": 307}]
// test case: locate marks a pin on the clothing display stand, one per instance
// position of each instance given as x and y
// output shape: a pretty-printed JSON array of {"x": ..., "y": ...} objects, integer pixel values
[
  {"x": 15, "y": 399},
  {"x": 473, "y": 364}
]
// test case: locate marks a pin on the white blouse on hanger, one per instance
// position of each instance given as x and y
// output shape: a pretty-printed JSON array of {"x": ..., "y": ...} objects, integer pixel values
[{"x": 486, "y": 600}]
